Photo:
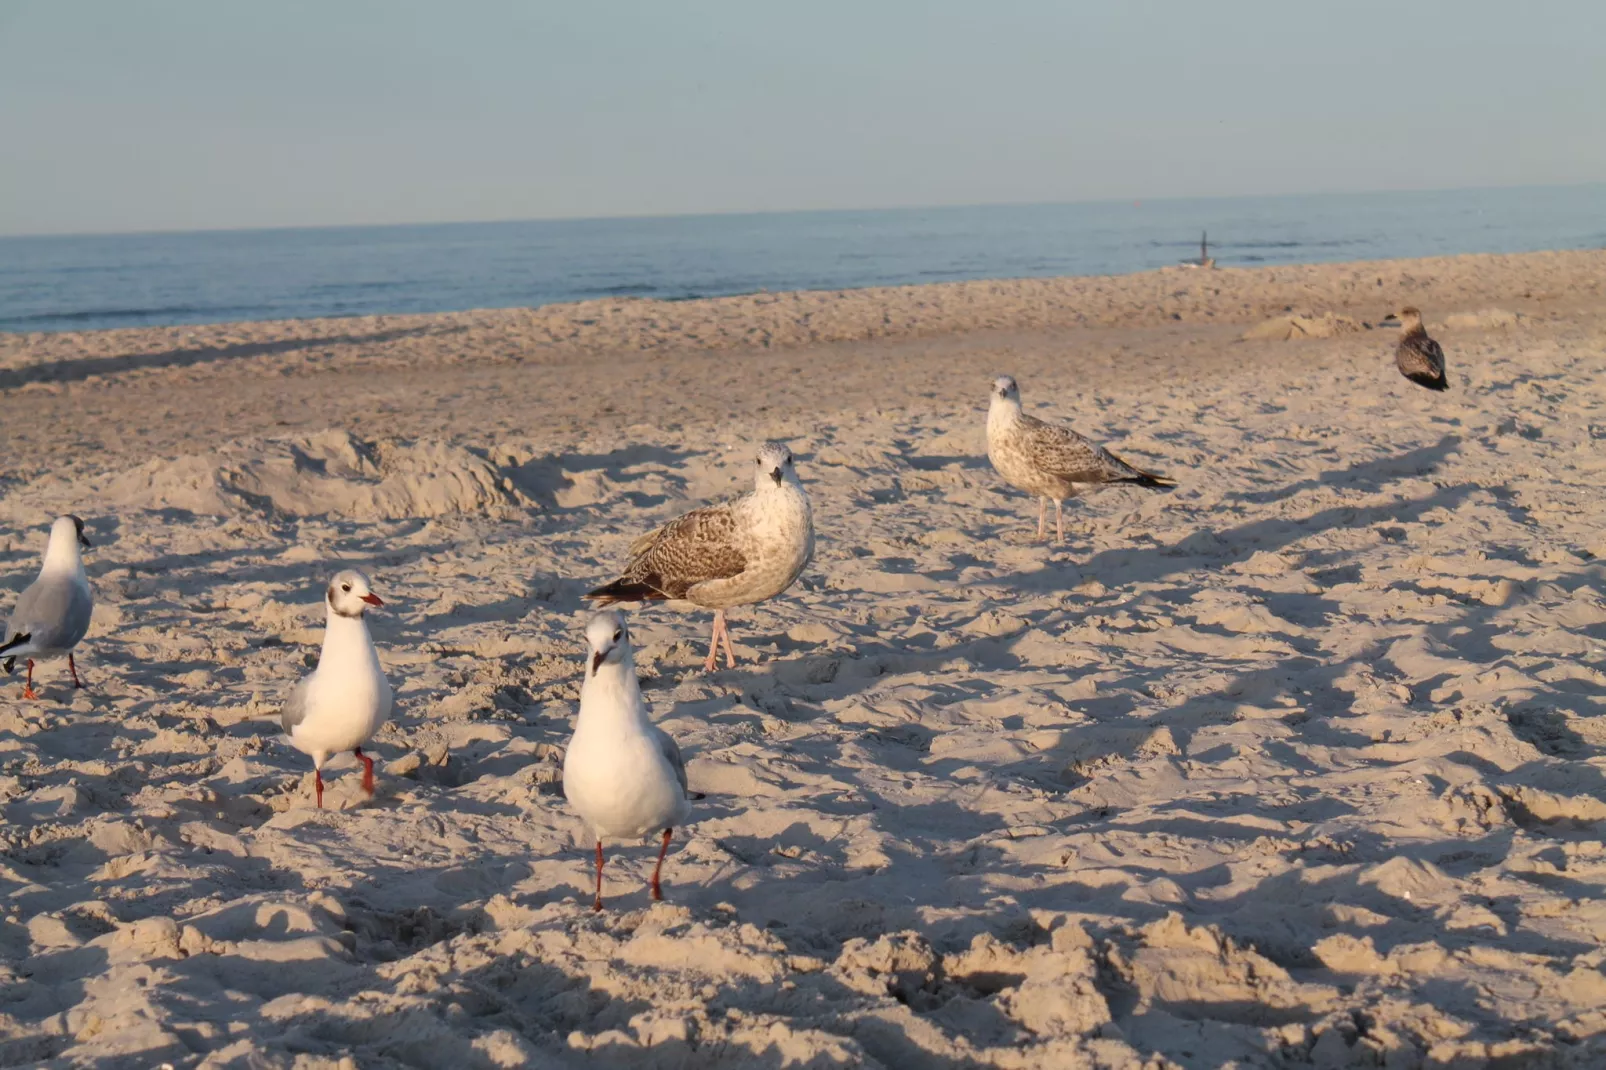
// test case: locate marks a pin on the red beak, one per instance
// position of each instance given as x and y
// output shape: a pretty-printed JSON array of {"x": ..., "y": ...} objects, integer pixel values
[{"x": 372, "y": 599}]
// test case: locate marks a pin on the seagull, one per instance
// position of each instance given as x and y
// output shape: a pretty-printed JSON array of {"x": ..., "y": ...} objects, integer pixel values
[
  {"x": 622, "y": 774},
  {"x": 1418, "y": 357},
  {"x": 52, "y": 615},
  {"x": 345, "y": 700},
  {"x": 1050, "y": 461},
  {"x": 732, "y": 554}
]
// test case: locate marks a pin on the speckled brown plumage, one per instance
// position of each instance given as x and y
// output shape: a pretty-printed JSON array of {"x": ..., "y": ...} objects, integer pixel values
[
  {"x": 1421, "y": 360},
  {"x": 669, "y": 561}
]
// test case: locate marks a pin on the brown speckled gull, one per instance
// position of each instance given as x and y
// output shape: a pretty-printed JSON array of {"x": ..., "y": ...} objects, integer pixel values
[
  {"x": 732, "y": 554},
  {"x": 1050, "y": 461}
]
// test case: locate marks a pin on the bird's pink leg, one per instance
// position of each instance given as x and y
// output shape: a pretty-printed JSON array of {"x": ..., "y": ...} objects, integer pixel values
[
  {"x": 657, "y": 890},
  {"x": 1059, "y": 520},
  {"x": 713, "y": 641},
  {"x": 27, "y": 688},
  {"x": 367, "y": 770},
  {"x": 1042, "y": 517},
  {"x": 73, "y": 667},
  {"x": 317, "y": 783},
  {"x": 725, "y": 636},
  {"x": 596, "y": 904}
]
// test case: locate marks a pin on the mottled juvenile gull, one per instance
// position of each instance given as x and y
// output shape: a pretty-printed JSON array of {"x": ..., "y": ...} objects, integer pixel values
[
  {"x": 622, "y": 774},
  {"x": 345, "y": 700},
  {"x": 731, "y": 554},
  {"x": 1418, "y": 357},
  {"x": 52, "y": 615},
  {"x": 1050, "y": 461}
]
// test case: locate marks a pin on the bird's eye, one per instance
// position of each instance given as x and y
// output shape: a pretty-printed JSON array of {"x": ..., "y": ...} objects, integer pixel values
[
  {"x": 345, "y": 587},
  {"x": 617, "y": 633}
]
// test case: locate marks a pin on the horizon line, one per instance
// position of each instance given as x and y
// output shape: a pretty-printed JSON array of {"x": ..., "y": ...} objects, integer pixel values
[{"x": 737, "y": 214}]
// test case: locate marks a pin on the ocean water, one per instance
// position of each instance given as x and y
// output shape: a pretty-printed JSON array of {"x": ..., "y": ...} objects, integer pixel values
[{"x": 84, "y": 282}]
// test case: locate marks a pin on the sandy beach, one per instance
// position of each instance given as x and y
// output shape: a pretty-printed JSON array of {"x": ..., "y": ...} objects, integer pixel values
[{"x": 1294, "y": 766}]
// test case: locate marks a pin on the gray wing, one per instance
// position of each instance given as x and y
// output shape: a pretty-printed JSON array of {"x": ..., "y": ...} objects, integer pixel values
[
  {"x": 1061, "y": 452},
  {"x": 295, "y": 708},
  {"x": 671, "y": 751},
  {"x": 54, "y": 613}
]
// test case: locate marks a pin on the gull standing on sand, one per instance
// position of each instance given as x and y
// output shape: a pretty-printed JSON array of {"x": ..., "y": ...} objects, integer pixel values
[
  {"x": 622, "y": 774},
  {"x": 52, "y": 615},
  {"x": 731, "y": 554},
  {"x": 1050, "y": 461},
  {"x": 1418, "y": 357},
  {"x": 345, "y": 700}
]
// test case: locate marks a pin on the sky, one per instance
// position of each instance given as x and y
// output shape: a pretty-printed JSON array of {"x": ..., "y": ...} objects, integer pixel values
[{"x": 197, "y": 114}]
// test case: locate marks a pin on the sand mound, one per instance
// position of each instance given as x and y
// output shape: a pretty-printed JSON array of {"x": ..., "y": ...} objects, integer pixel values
[
  {"x": 1482, "y": 320},
  {"x": 1297, "y": 325},
  {"x": 331, "y": 472}
]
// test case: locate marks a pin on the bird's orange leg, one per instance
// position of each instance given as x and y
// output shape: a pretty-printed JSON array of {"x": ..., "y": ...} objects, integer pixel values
[
  {"x": 367, "y": 770},
  {"x": 657, "y": 890},
  {"x": 725, "y": 636}
]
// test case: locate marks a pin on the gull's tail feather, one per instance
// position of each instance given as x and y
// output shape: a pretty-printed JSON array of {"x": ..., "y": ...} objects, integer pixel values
[
  {"x": 1149, "y": 479},
  {"x": 1429, "y": 381},
  {"x": 626, "y": 591},
  {"x": 14, "y": 641}
]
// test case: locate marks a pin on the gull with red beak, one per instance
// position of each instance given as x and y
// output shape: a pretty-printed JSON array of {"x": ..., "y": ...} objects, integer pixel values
[
  {"x": 622, "y": 774},
  {"x": 345, "y": 700}
]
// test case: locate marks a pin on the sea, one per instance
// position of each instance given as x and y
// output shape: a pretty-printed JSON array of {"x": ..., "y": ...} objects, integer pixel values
[{"x": 83, "y": 282}]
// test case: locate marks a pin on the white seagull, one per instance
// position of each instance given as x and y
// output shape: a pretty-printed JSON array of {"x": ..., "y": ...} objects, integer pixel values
[
  {"x": 52, "y": 615},
  {"x": 345, "y": 700},
  {"x": 622, "y": 774},
  {"x": 731, "y": 554}
]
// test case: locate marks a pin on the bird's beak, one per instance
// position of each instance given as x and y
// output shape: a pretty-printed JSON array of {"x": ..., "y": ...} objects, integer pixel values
[
  {"x": 372, "y": 599},
  {"x": 775, "y": 474},
  {"x": 596, "y": 660},
  {"x": 1390, "y": 317}
]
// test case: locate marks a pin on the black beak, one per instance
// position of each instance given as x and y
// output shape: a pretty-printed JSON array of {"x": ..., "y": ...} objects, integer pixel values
[
  {"x": 596, "y": 661},
  {"x": 1392, "y": 317},
  {"x": 775, "y": 474}
]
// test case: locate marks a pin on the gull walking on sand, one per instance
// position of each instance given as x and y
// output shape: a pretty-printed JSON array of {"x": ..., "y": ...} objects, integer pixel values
[
  {"x": 1418, "y": 357},
  {"x": 731, "y": 554},
  {"x": 345, "y": 700},
  {"x": 622, "y": 774},
  {"x": 1050, "y": 461},
  {"x": 52, "y": 615}
]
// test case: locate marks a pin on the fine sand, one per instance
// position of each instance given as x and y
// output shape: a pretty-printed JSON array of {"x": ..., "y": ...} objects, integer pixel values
[{"x": 1294, "y": 766}]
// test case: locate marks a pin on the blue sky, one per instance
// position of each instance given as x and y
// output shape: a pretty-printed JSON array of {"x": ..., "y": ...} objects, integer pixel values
[{"x": 187, "y": 114}]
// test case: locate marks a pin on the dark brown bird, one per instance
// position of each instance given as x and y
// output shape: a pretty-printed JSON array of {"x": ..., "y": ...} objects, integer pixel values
[{"x": 1418, "y": 357}]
